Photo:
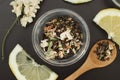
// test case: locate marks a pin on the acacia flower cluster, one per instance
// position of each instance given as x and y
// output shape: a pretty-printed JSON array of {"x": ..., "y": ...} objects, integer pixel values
[{"x": 25, "y": 9}]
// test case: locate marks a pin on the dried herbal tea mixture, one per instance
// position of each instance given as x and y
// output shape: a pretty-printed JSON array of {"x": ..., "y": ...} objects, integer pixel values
[
  {"x": 62, "y": 38},
  {"x": 104, "y": 51}
]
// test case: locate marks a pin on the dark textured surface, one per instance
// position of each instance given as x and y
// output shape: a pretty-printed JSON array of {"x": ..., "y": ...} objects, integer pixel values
[{"x": 23, "y": 37}]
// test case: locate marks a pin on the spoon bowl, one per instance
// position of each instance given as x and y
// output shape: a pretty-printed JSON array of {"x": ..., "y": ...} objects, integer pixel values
[
  {"x": 93, "y": 57},
  {"x": 93, "y": 62}
]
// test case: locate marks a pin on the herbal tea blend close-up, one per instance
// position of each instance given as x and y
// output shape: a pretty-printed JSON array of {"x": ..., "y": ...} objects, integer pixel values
[
  {"x": 59, "y": 39},
  {"x": 62, "y": 38}
]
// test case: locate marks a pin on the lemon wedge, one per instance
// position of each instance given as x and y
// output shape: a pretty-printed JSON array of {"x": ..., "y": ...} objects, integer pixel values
[
  {"x": 25, "y": 68},
  {"x": 109, "y": 20},
  {"x": 78, "y": 1}
]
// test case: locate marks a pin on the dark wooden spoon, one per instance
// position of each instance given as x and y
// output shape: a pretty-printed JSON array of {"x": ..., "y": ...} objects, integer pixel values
[{"x": 93, "y": 62}]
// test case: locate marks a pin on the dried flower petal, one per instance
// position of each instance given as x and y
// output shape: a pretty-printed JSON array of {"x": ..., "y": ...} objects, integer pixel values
[
  {"x": 66, "y": 34},
  {"x": 44, "y": 43},
  {"x": 51, "y": 55}
]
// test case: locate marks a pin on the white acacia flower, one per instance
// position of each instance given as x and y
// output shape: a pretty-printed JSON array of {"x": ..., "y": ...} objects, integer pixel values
[
  {"x": 17, "y": 7},
  {"x": 26, "y": 19},
  {"x": 26, "y": 9}
]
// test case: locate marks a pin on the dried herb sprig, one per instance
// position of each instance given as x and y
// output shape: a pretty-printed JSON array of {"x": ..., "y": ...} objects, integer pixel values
[{"x": 6, "y": 35}]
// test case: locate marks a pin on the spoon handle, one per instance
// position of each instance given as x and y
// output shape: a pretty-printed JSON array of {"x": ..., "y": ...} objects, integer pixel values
[{"x": 85, "y": 67}]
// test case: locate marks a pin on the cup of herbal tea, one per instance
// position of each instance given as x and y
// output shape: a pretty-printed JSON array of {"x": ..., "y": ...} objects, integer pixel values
[{"x": 60, "y": 37}]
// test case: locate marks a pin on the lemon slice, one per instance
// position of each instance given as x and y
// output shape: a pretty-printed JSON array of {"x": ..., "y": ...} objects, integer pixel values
[
  {"x": 109, "y": 20},
  {"x": 78, "y": 1},
  {"x": 25, "y": 68}
]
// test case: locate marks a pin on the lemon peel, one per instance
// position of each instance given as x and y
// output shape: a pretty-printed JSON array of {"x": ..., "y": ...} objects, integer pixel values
[
  {"x": 109, "y": 20},
  {"x": 78, "y": 1},
  {"x": 25, "y": 68}
]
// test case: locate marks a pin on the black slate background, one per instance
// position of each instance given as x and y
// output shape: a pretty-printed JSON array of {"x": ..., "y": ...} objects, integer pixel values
[{"x": 23, "y": 37}]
